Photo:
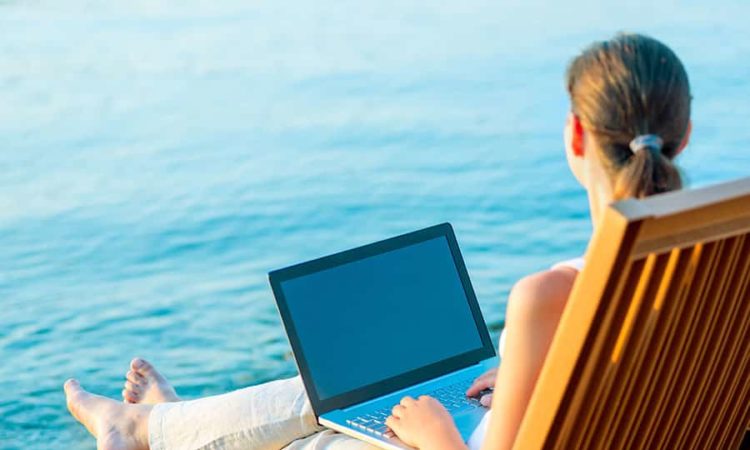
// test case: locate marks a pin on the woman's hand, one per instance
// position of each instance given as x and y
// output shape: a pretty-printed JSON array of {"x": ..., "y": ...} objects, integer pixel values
[
  {"x": 424, "y": 423},
  {"x": 484, "y": 381}
]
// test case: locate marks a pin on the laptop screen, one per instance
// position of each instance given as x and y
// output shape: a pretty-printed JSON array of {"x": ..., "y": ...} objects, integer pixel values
[{"x": 381, "y": 316}]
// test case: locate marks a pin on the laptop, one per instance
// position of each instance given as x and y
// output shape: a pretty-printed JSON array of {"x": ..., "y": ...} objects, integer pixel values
[{"x": 371, "y": 325}]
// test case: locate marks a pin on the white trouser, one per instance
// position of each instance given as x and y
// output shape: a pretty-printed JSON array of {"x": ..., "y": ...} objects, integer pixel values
[{"x": 268, "y": 416}]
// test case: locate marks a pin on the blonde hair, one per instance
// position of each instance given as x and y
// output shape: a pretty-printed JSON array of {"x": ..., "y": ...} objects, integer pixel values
[{"x": 629, "y": 86}]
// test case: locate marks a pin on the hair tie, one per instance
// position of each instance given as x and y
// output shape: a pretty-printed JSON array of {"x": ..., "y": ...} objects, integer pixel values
[{"x": 646, "y": 141}]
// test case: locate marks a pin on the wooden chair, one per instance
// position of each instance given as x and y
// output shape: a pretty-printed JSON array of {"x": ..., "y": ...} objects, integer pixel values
[{"x": 653, "y": 349}]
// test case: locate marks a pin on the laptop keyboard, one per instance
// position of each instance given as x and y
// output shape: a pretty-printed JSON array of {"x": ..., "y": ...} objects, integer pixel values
[{"x": 452, "y": 397}]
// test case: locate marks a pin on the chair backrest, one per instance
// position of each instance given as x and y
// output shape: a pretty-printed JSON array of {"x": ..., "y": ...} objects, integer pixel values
[{"x": 653, "y": 349}]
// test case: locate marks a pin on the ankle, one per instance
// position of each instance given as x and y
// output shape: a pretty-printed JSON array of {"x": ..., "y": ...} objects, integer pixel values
[{"x": 141, "y": 418}]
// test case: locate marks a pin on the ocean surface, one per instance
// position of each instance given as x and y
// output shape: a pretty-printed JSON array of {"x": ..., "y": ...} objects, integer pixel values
[{"x": 159, "y": 158}]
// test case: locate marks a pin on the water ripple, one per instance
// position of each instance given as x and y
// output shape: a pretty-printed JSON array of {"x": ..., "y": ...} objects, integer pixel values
[{"x": 154, "y": 170}]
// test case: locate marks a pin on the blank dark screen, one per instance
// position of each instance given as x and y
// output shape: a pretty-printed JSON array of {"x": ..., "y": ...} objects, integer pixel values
[{"x": 379, "y": 317}]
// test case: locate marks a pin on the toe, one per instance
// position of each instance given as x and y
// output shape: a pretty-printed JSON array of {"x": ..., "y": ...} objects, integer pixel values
[
  {"x": 73, "y": 397},
  {"x": 72, "y": 390},
  {"x": 135, "y": 377},
  {"x": 141, "y": 366},
  {"x": 132, "y": 387},
  {"x": 129, "y": 396},
  {"x": 71, "y": 386}
]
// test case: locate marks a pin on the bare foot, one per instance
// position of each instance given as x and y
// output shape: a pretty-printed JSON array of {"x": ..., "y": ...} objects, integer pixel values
[
  {"x": 114, "y": 425},
  {"x": 146, "y": 385}
]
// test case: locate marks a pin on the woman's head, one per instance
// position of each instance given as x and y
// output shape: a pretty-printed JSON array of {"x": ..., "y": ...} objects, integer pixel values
[{"x": 630, "y": 105}]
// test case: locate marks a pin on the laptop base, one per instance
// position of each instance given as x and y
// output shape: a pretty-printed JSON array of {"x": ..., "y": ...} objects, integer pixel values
[{"x": 466, "y": 421}]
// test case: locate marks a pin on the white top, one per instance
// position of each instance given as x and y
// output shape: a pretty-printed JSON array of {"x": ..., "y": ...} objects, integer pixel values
[{"x": 477, "y": 437}]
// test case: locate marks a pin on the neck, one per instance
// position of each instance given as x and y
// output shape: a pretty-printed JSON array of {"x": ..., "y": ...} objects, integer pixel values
[
  {"x": 600, "y": 196},
  {"x": 597, "y": 182}
]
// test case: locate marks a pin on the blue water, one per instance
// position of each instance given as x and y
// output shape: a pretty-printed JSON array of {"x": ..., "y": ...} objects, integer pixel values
[{"x": 158, "y": 158}]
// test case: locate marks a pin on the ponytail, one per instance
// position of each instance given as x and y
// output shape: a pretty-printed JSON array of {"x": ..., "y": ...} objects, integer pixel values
[{"x": 647, "y": 172}]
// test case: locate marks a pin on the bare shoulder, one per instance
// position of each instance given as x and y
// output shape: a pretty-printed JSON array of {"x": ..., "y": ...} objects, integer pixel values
[{"x": 542, "y": 293}]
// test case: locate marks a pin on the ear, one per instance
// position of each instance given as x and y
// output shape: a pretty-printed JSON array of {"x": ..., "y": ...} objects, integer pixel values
[
  {"x": 685, "y": 139},
  {"x": 574, "y": 135}
]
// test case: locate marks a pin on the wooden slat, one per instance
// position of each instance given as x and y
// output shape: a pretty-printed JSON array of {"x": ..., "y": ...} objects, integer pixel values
[
  {"x": 691, "y": 358},
  {"x": 661, "y": 239},
  {"x": 611, "y": 403},
  {"x": 643, "y": 283},
  {"x": 724, "y": 367},
  {"x": 633, "y": 364},
  {"x": 739, "y": 418},
  {"x": 713, "y": 322},
  {"x": 729, "y": 414},
  {"x": 592, "y": 418},
  {"x": 680, "y": 350},
  {"x": 665, "y": 307},
  {"x": 669, "y": 280},
  {"x": 697, "y": 202},
  {"x": 663, "y": 378},
  {"x": 738, "y": 395}
]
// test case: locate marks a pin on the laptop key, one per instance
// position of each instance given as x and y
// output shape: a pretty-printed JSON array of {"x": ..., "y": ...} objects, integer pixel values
[{"x": 452, "y": 397}]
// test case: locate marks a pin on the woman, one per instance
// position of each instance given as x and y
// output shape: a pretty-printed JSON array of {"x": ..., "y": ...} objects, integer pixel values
[{"x": 630, "y": 116}]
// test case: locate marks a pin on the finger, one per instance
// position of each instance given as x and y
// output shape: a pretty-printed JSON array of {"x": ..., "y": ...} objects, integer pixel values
[
  {"x": 479, "y": 385},
  {"x": 431, "y": 402},
  {"x": 483, "y": 379},
  {"x": 407, "y": 401},
  {"x": 398, "y": 411},
  {"x": 393, "y": 423},
  {"x": 486, "y": 400}
]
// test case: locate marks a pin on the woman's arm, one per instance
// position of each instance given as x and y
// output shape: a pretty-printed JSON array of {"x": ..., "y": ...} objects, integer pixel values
[{"x": 534, "y": 309}]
